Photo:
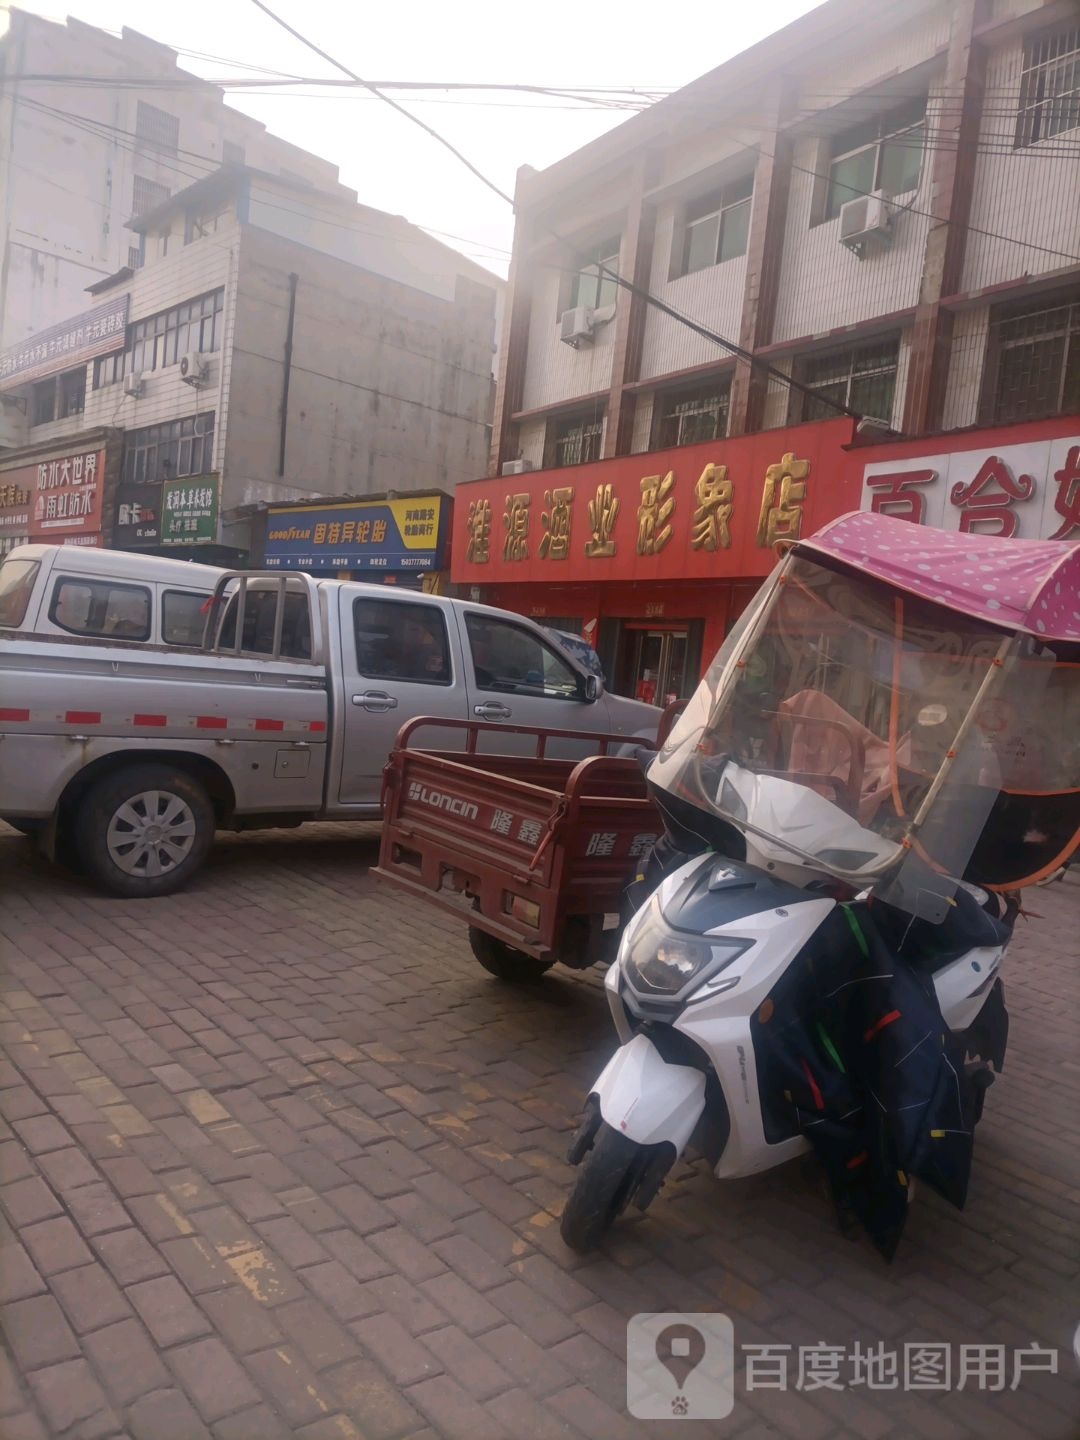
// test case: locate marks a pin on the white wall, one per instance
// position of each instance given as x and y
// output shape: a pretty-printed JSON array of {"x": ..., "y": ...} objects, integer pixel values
[
  {"x": 1031, "y": 194},
  {"x": 555, "y": 371},
  {"x": 971, "y": 329}
]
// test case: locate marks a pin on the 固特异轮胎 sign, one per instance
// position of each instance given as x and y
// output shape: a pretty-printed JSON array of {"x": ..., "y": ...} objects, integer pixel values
[
  {"x": 189, "y": 511},
  {"x": 402, "y": 534}
]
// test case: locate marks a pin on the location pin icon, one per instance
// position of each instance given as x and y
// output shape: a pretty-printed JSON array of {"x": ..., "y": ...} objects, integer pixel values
[{"x": 680, "y": 1349}]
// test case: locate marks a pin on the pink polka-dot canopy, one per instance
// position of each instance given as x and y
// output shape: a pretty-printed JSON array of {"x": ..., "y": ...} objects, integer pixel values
[{"x": 1031, "y": 585}]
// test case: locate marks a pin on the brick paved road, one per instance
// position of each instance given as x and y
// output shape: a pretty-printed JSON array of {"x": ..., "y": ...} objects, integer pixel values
[{"x": 277, "y": 1158}]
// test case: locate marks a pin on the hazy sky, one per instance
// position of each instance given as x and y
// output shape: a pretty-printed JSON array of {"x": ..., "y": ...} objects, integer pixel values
[{"x": 392, "y": 164}]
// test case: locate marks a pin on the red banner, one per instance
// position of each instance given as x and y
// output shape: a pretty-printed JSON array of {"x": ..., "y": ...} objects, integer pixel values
[
  {"x": 67, "y": 495},
  {"x": 698, "y": 512}
]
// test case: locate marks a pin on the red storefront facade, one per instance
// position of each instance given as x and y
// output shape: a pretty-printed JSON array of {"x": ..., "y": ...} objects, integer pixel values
[{"x": 651, "y": 556}]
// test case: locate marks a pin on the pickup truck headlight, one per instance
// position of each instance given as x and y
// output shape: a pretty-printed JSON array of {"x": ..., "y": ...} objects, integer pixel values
[{"x": 664, "y": 962}]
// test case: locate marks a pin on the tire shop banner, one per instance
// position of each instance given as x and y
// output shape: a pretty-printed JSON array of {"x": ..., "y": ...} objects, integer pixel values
[{"x": 408, "y": 533}]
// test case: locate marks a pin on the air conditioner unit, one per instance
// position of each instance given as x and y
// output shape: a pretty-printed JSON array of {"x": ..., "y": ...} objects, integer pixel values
[
  {"x": 576, "y": 326},
  {"x": 865, "y": 221},
  {"x": 516, "y": 467},
  {"x": 194, "y": 368},
  {"x": 133, "y": 384}
]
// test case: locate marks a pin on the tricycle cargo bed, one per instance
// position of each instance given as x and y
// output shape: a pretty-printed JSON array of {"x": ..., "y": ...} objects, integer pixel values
[{"x": 535, "y": 852}]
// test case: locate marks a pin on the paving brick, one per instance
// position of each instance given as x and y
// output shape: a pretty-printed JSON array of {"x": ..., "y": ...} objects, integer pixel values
[
  {"x": 198, "y": 1264},
  {"x": 464, "y": 1305},
  {"x": 18, "y": 1278},
  {"x": 404, "y": 1359},
  {"x": 90, "y": 1297},
  {"x": 292, "y": 1242},
  {"x": 292, "y": 1385},
  {"x": 26, "y": 1201},
  {"x": 55, "y": 1245},
  {"x": 358, "y": 1257},
  {"x": 364, "y": 1213},
  {"x": 15, "y": 1163},
  {"x": 126, "y": 1361},
  {"x": 374, "y": 1402},
  {"x": 241, "y": 1321},
  {"x": 532, "y": 1365},
  {"x": 67, "y": 1169},
  {"x": 520, "y": 1414},
  {"x": 38, "y": 1333},
  {"x": 251, "y": 1199},
  {"x": 473, "y": 1264},
  {"x": 340, "y": 1290},
  {"x": 213, "y": 1380},
  {"x": 453, "y": 1413},
  {"x": 399, "y": 1297},
  {"x": 129, "y": 1176},
  {"x": 319, "y": 1337},
  {"x": 129, "y": 1256},
  {"x": 406, "y": 1255},
  {"x": 96, "y": 1209},
  {"x": 166, "y": 1310},
  {"x": 163, "y": 1415},
  {"x": 257, "y": 1423},
  {"x": 536, "y": 1316},
  {"x": 472, "y": 1367},
  {"x": 69, "y": 1396}
]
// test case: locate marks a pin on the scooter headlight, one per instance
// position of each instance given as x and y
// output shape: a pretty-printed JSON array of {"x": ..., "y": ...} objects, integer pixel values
[{"x": 662, "y": 962}]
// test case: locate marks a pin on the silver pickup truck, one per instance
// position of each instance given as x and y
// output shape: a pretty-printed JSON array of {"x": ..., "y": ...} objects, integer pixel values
[{"x": 124, "y": 757}]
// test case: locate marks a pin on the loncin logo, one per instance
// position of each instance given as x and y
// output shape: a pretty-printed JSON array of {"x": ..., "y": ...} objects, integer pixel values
[{"x": 439, "y": 801}]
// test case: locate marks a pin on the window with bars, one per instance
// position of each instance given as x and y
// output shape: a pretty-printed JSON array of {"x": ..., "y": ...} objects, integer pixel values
[
  {"x": 687, "y": 417},
  {"x": 862, "y": 377},
  {"x": 884, "y": 153},
  {"x": 146, "y": 195},
  {"x": 717, "y": 226},
  {"x": 594, "y": 285},
  {"x": 170, "y": 450},
  {"x": 1033, "y": 361},
  {"x": 161, "y": 340},
  {"x": 1049, "y": 86},
  {"x": 156, "y": 129},
  {"x": 135, "y": 257},
  {"x": 574, "y": 440}
]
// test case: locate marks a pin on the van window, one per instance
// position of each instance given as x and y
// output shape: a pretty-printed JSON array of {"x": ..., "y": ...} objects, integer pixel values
[
  {"x": 101, "y": 608},
  {"x": 183, "y": 616},
  {"x": 397, "y": 640},
  {"x": 16, "y": 585},
  {"x": 260, "y": 610}
]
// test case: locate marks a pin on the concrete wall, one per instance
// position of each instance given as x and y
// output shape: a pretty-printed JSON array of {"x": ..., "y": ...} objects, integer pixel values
[
  {"x": 390, "y": 386},
  {"x": 67, "y": 179}
]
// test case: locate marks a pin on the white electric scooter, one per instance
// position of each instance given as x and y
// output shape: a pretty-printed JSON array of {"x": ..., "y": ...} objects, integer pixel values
[{"x": 846, "y": 749}]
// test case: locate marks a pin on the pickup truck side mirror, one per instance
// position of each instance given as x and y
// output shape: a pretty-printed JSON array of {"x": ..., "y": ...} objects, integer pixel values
[{"x": 592, "y": 689}]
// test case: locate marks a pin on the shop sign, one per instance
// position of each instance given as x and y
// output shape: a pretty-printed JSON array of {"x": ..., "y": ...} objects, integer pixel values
[
  {"x": 189, "y": 511},
  {"x": 66, "y": 496},
  {"x": 716, "y": 509},
  {"x": 402, "y": 534},
  {"x": 95, "y": 332},
  {"x": 138, "y": 516},
  {"x": 15, "y": 500},
  {"x": 1029, "y": 489}
]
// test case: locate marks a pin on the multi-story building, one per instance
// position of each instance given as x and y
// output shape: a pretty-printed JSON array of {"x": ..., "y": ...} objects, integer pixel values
[
  {"x": 82, "y": 156},
  {"x": 273, "y": 344},
  {"x": 880, "y": 208}
]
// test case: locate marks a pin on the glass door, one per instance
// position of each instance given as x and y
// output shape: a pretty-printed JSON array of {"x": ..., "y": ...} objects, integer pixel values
[{"x": 656, "y": 669}]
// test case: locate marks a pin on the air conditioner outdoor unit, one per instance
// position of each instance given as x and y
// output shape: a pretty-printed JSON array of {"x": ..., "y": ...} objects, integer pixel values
[
  {"x": 865, "y": 221},
  {"x": 576, "y": 326},
  {"x": 516, "y": 467},
  {"x": 133, "y": 384},
  {"x": 194, "y": 368}
]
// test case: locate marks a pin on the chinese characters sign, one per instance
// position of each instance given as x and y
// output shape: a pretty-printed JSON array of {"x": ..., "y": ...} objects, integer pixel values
[
  {"x": 393, "y": 535},
  {"x": 189, "y": 511},
  {"x": 95, "y": 332},
  {"x": 1029, "y": 490},
  {"x": 715, "y": 509},
  {"x": 66, "y": 497},
  {"x": 14, "y": 512}
]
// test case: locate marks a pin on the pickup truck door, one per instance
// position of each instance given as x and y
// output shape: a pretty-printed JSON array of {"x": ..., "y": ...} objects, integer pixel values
[
  {"x": 514, "y": 675},
  {"x": 399, "y": 659}
]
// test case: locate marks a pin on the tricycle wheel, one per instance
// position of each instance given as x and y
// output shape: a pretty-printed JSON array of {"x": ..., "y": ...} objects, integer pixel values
[{"x": 502, "y": 960}]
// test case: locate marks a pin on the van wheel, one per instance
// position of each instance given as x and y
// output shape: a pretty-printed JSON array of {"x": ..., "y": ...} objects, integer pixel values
[
  {"x": 503, "y": 961},
  {"x": 610, "y": 1173},
  {"x": 144, "y": 831}
]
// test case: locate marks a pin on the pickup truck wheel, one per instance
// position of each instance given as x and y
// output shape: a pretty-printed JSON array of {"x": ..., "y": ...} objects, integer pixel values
[
  {"x": 502, "y": 960},
  {"x": 145, "y": 830}
]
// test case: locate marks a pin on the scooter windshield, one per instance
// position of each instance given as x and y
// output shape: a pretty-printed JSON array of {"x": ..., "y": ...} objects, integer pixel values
[{"x": 852, "y": 726}]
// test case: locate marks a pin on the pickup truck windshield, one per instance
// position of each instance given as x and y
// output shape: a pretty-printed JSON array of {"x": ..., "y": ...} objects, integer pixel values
[{"x": 16, "y": 585}]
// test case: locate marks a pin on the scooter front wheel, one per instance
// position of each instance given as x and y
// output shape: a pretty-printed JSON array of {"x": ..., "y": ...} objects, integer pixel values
[{"x": 609, "y": 1175}]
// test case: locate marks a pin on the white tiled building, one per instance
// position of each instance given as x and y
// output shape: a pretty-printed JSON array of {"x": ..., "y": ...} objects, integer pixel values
[{"x": 942, "y": 135}]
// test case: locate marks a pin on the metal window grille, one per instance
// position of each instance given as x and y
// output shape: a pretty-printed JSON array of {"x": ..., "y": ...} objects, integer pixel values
[
  {"x": 146, "y": 195},
  {"x": 862, "y": 377},
  {"x": 169, "y": 451},
  {"x": 1049, "y": 87},
  {"x": 577, "y": 442},
  {"x": 156, "y": 129},
  {"x": 1033, "y": 363},
  {"x": 134, "y": 258},
  {"x": 691, "y": 417}
]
